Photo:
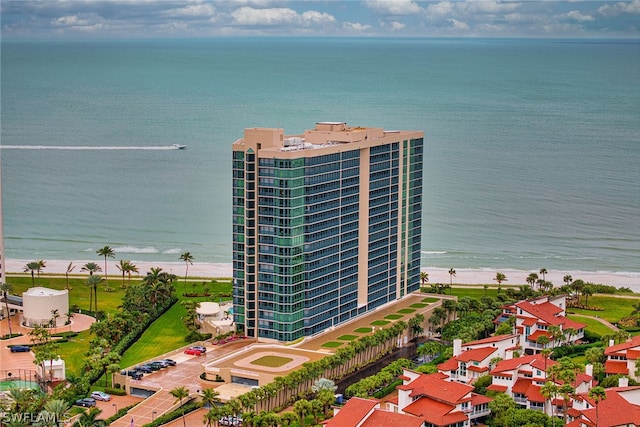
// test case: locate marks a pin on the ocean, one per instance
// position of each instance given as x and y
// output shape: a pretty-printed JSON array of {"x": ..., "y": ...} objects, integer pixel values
[{"x": 532, "y": 146}]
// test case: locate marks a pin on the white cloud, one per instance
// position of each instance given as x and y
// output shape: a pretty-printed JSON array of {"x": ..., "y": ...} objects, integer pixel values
[
  {"x": 395, "y": 25},
  {"x": 89, "y": 22},
  {"x": 318, "y": 17},
  {"x": 443, "y": 8},
  {"x": 458, "y": 25},
  {"x": 393, "y": 7},
  {"x": 356, "y": 26},
  {"x": 620, "y": 8},
  {"x": 575, "y": 15},
  {"x": 273, "y": 16},
  {"x": 195, "y": 10}
]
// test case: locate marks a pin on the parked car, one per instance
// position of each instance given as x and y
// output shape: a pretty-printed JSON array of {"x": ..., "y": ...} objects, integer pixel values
[
  {"x": 200, "y": 347},
  {"x": 230, "y": 421},
  {"x": 157, "y": 365},
  {"x": 144, "y": 368},
  {"x": 100, "y": 395},
  {"x": 169, "y": 362},
  {"x": 20, "y": 348},
  {"x": 87, "y": 402},
  {"x": 136, "y": 375},
  {"x": 152, "y": 366},
  {"x": 193, "y": 351}
]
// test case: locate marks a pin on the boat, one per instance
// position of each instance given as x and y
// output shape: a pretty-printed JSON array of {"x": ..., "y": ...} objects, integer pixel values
[{"x": 179, "y": 146}]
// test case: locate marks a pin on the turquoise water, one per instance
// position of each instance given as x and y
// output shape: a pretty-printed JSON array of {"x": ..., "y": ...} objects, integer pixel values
[
  {"x": 23, "y": 384},
  {"x": 532, "y": 147}
]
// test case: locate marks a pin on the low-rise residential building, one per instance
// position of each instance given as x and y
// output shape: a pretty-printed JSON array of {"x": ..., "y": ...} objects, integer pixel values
[
  {"x": 474, "y": 359},
  {"x": 620, "y": 408},
  {"x": 535, "y": 317},
  {"x": 623, "y": 358},
  {"x": 424, "y": 400},
  {"x": 522, "y": 379}
]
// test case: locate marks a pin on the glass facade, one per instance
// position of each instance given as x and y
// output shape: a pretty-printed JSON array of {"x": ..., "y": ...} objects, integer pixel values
[{"x": 296, "y": 236}]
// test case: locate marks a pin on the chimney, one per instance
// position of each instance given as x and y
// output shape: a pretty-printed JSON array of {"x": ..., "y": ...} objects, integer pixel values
[
  {"x": 623, "y": 382},
  {"x": 611, "y": 342},
  {"x": 457, "y": 347},
  {"x": 588, "y": 369}
]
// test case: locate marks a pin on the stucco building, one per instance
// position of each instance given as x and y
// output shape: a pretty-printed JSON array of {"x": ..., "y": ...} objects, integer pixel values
[{"x": 326, "y": 226}]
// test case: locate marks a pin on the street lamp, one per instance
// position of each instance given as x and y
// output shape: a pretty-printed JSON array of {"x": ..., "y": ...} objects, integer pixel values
[
  {"x": 115, "y": 406},
  {"x": 153, "y": 416}
]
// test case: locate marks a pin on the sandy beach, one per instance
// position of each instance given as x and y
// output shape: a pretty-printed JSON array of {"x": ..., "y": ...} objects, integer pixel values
[{"x": 436, "y": 275}]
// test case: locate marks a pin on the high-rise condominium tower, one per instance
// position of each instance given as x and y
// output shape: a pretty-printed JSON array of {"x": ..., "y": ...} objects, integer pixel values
[{"x": 326, "y": 226}]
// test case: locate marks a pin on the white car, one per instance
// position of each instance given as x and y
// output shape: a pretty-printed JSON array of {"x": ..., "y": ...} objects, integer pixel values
[{"x": 99, "y": 395}]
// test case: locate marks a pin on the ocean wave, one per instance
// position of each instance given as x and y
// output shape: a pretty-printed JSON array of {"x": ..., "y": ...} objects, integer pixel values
[
  {"x": 135, "y": 250},
  {"x": 172, "y": 251},
  {"x": 433, "y": 252}
]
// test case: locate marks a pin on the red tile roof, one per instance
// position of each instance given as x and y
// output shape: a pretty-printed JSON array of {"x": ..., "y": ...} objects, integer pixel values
[
  {"x": 497, "y": 387},
  {"x": 615, "y": 367},
  {"x": 633, "y": 354},
  {"x": 538, "y": 333},
  {"x": 478, "y": 399},
  {"x": 534, "y": 360},
  {"x": 434, "y": 412},
  {"x": 615, "y": 410},
  {"x": 619, "y": 348},
  {"x": 490, "y": 340},
  {"x": 477, "y": 368},
  {"x": 477, "y": 354},
  {"x": 353, "y": 412},
  {"x": 529, "y": 321},
  {"x": 521, "y": 386},
  {"x": 435, "y": 387},
  {"x": 381, "y": 418},
  {"x": 449, "y": 365},
  {"x": 549, "y": 313}
]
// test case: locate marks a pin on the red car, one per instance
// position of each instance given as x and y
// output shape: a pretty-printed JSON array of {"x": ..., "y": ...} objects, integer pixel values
[{"x": 193, "y": 351}]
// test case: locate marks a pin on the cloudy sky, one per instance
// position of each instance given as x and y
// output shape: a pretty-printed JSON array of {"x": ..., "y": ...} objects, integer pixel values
[{"x": 393, "y": 18}]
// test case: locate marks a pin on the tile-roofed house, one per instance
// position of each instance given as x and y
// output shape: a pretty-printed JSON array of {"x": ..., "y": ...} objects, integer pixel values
[
  {"x": 381, "y": 418},
  {"x": 473, "y": 359},
  {"x": 535, "y": 316},
  {"x": 438, "y": 400},
  {"x": 623, "y": 358},
  {"x": 522, "y": 379},
  {"x": 621, "y": 407},
  {"x": 353, "y": 413}
]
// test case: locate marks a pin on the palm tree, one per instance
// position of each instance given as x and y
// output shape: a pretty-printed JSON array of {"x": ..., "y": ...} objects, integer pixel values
[
  {"x": 424, "y": 277},
  {"x": 41, "y": 266},
  {"x": 70, "y": 268},
  {"x": 452, "y": 274},
  {"x": 532, "y": 279},
  {"x": 302, "y": 408},
  {"x": 567, "y": 279},
  {"x": 210, "y": 397},
  {"x": 598, "y": 394},
  {"x": 5, "y": 288},
  {"x": 91, "y": 267},
  {"x": 90, "y": 419},
  {"x": 544, "y": 271},
  {"x": 58, "y": 408},
  {"x": 549, "y": 390},
  {"x": 106, "y": 252},
  {"x": 500, "y": 277},
  {"x": 32, "y": 266},
  {"x": 93, "y": 281},
  {"x": 188, "y": 259},
  {"x": 180, "y": 393}
]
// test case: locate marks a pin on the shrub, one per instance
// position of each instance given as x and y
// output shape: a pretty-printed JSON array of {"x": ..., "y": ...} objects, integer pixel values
[
  {"x": 194, "y": 336},
  {"x": 115, "y": 391}
]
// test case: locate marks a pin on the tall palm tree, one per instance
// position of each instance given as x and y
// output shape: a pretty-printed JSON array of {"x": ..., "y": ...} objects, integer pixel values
[
  {"x": 452, "y": 274},
  {"x": 58, "y": 408},
  {"x": 543, "y": 271},
  {"x": 500, "y": 277},
  {"x": 41, "y": 266},
  {"x": 598, "y": 394},
  {"x": 91, "y": 267},
  {"x": 126, "y": 267},
  {"x": 5, "y": 288},
  {"x": 532, "y": 279},
  {"x": 549, "y": 390},
  {"x": 424, "y": 277},
  {"x": 32, "y": 267},
  {"x": 180, "y": 393},
  {"x": 567, "y": 279},
  {"x": 188, "y": 259},
  {"x": 210, "y": 397},
  {"x": 106, "y": 252},
  {"x": 92, "y": 282},
  {"x": 70, "y": 268}
]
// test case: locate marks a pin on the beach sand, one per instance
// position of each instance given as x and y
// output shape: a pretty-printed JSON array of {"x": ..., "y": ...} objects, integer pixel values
[{"x": 436, "y": 275}]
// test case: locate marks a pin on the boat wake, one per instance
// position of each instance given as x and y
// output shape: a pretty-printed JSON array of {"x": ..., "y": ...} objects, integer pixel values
[{"x": 89, "y": 147}]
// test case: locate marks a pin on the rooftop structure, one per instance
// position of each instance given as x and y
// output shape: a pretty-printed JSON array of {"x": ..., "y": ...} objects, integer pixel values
[{"x": 326, "y": 226}]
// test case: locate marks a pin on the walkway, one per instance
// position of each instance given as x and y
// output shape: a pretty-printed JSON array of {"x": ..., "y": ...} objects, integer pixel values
[{"x": 601, "y": 320}]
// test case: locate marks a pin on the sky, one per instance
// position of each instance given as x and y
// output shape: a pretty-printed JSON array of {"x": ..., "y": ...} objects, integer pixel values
[{"x": 93, "y": 19}]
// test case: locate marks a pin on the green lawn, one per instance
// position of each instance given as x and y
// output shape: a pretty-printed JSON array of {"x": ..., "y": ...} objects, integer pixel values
[
  {"x": 614, "y": 308},
  {"x": 592, "y": 325},
  {"x": 272, "y": 361},
  {"x": 430, "y": 299},
  {"x": 165, "y": 334},
  {"x": 406, "y": 311},
  {"x": 363, "y": 330},
  {"x": 379, "y": 323},
  {"x": 393, "y": 316},
  {"x": 419, "y": 305},
  {"x": 331, "y": 344},
  {"x": 347, "y": 337},
  {"x": 73, "y": 351}
]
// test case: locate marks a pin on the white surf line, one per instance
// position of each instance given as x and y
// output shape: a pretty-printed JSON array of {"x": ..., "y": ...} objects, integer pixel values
[{"x": 86, "y": 147}]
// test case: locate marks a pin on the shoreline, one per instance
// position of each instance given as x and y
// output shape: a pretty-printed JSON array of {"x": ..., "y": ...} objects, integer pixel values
[{"x": 464, "y": 276}]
